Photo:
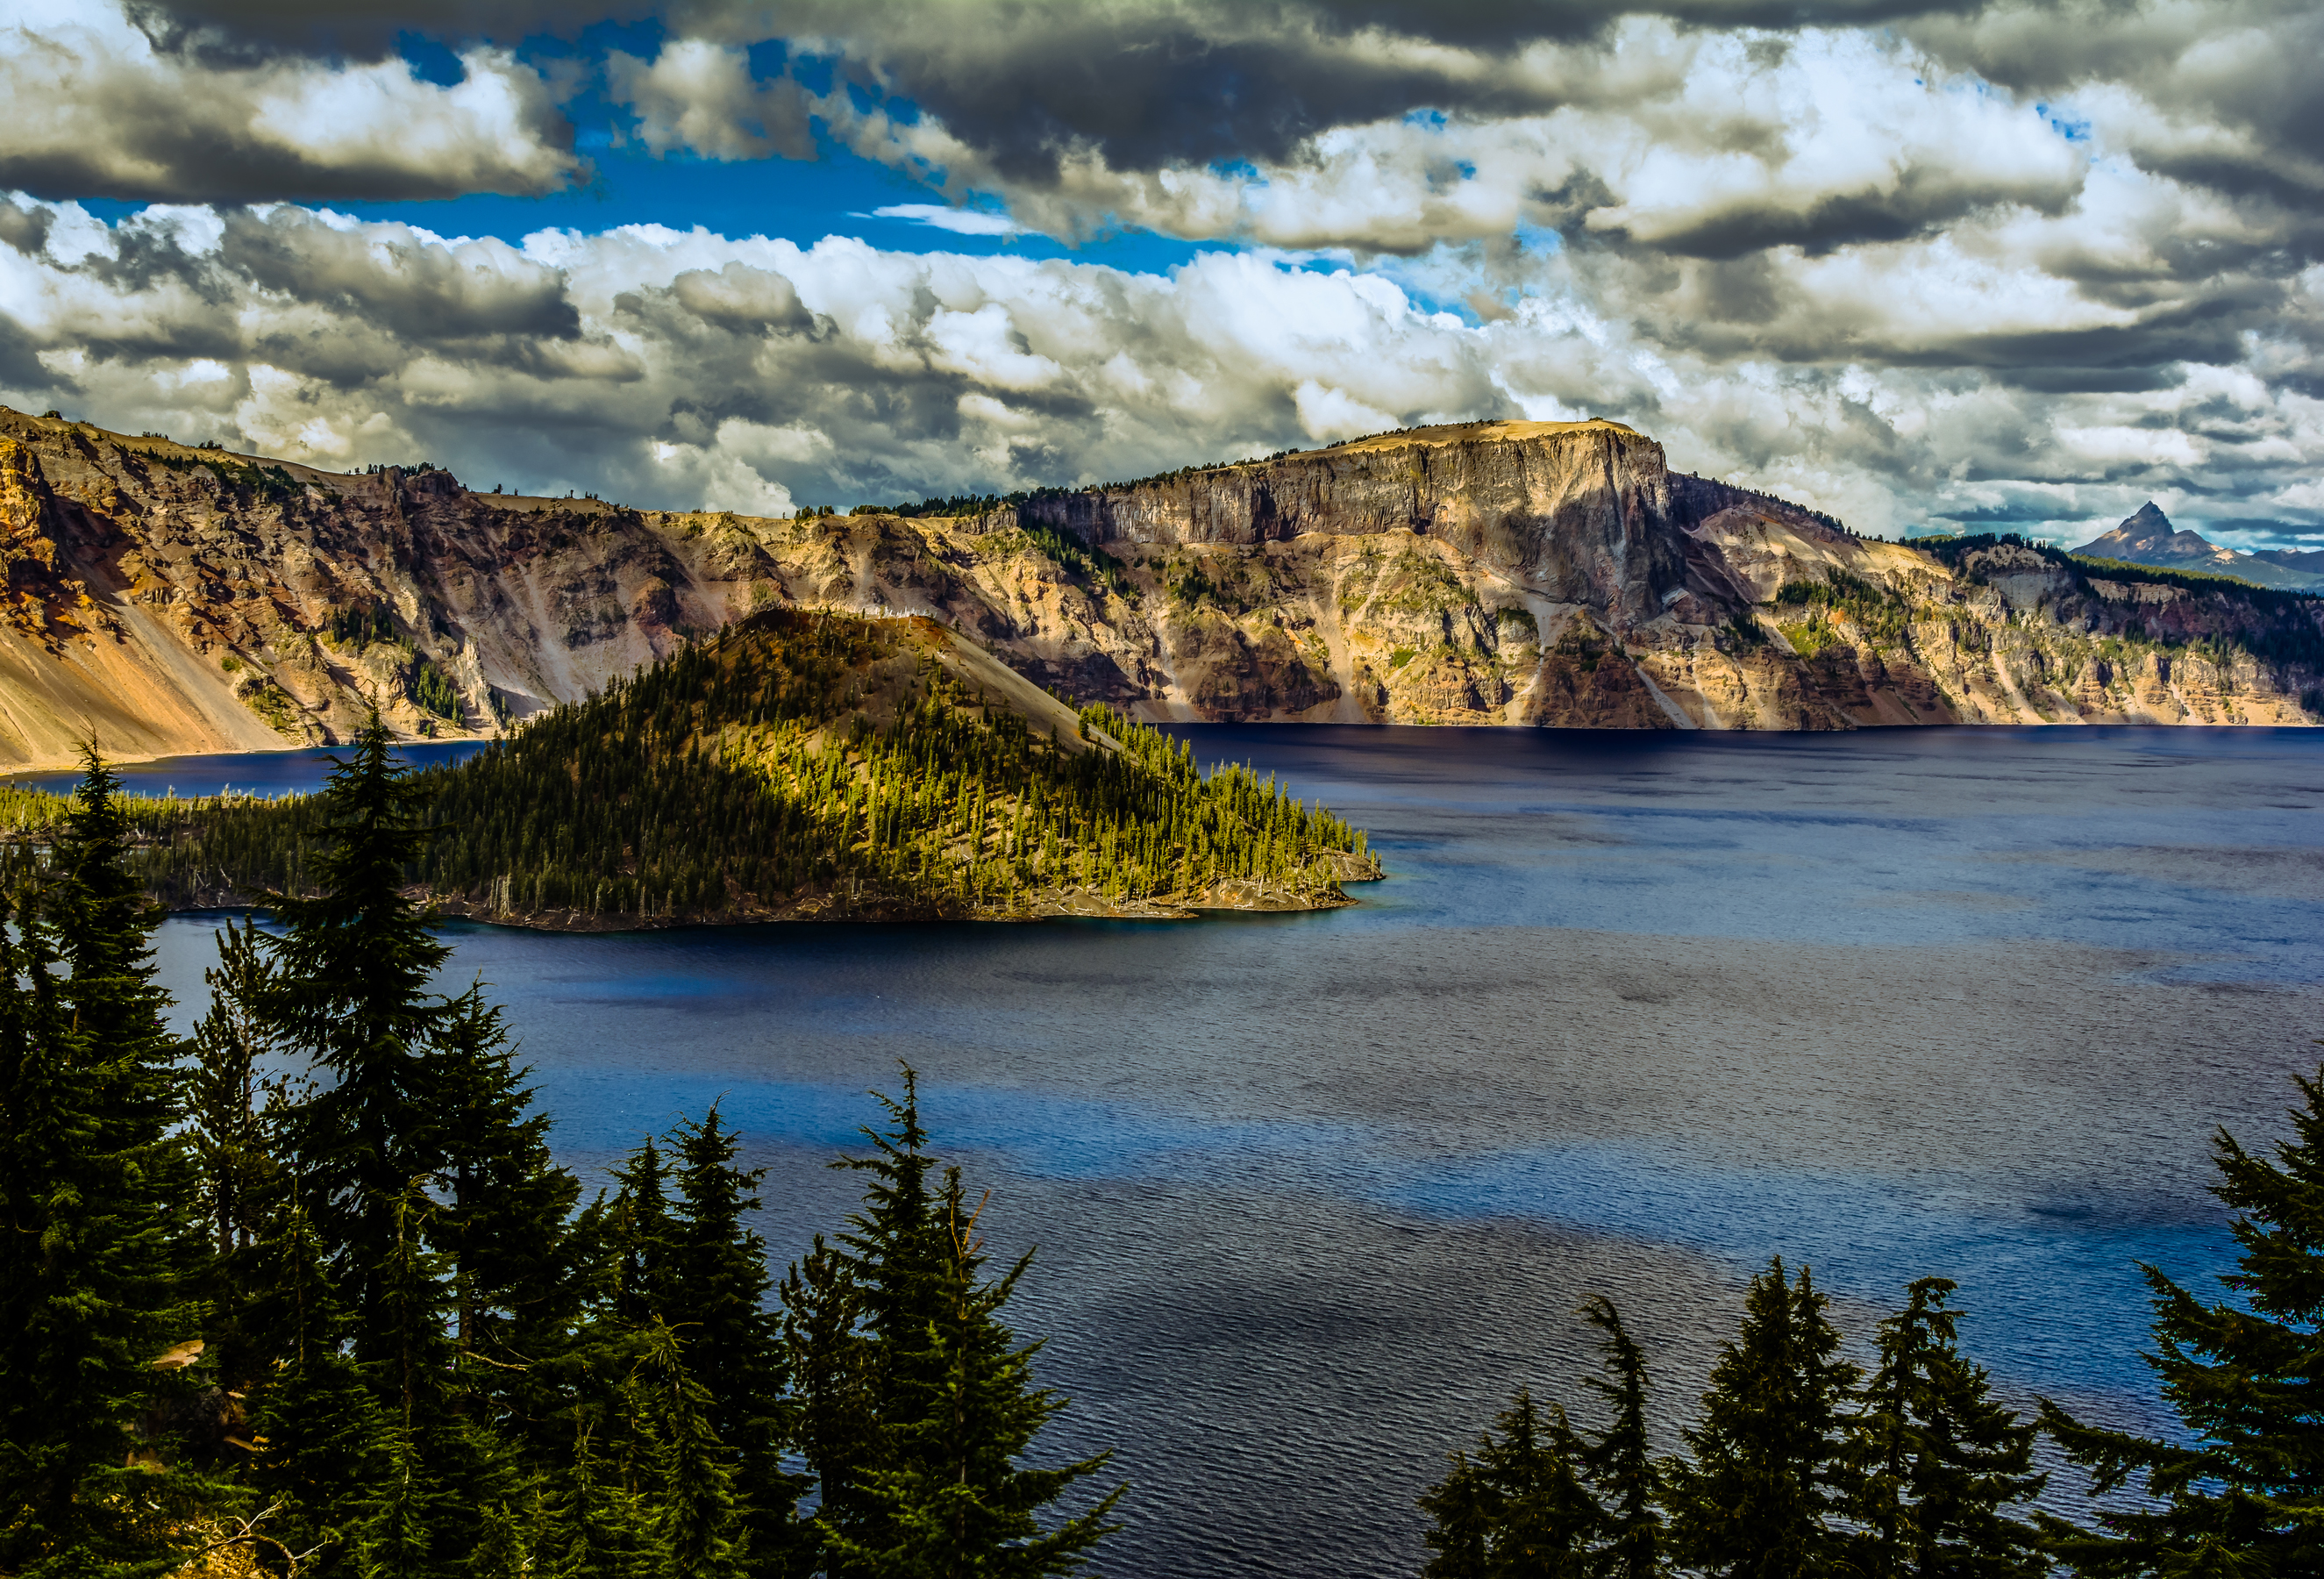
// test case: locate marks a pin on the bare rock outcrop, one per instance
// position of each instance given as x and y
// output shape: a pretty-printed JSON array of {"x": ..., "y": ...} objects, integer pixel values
[{"x": 168, "y": 599}]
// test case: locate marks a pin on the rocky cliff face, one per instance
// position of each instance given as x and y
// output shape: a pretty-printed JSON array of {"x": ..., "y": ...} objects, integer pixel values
[{"x": 169, "y": 599}]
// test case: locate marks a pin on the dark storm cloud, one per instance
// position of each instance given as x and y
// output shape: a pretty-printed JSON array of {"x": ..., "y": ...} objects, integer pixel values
[
  {"x": 416, "y": 289},
  {"x": 112, "y": 117},
  {"x": 26, "y": 228},
  {"x": 1145, "y": 85}
]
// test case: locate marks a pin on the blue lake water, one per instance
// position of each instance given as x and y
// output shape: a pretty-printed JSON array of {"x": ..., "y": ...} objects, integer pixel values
[{"x": 1313, "y": 1193}]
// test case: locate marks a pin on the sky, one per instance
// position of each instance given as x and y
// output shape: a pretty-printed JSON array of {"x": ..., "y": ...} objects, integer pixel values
[{"x": 1998, "y": 266}]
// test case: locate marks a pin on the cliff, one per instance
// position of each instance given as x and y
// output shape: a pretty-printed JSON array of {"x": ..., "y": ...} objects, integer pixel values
[{"x": 172, "y": 599}]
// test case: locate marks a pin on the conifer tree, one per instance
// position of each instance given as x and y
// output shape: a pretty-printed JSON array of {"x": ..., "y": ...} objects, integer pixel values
[
  {"x": 2244, "y": 1492},
  {"x": 354, "y": 963},
  {"x": 732, "y": 1341},
  {"x": 1755, "y": 1499},
  {"x": 329, "y": 1442},
  {"x": 1518, "y": 1509},
  {"x": 1619, "y": 1462},
  {"x": 954, "y": 1500},
  {"x": 696, "y": 1523},
  {"x": 227, "y": 1099},
  {"x": 831, "y": 1362},
  {"x": 643, "y": 1238},
  {"x": 98, "y": 1240},
  {"x": 887, "y": 1270},
  {"x": 1938, "y": 1463}
]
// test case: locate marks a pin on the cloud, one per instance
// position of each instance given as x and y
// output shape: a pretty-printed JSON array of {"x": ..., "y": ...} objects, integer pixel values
[
  {"x": 958, "y": 221},
  {"x": 98, "y": 111},
  {"x": 679, "y": 368},
  {"x": 700, "y": 97}
]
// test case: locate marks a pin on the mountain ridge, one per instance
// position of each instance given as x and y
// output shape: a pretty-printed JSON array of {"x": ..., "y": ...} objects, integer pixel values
[
  {"x": 2146, "y": 536},
  {"x": 173, "y": 599}
]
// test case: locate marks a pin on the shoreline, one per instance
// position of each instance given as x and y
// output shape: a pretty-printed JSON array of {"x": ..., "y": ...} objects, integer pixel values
[{"x": 8, "y": 775}]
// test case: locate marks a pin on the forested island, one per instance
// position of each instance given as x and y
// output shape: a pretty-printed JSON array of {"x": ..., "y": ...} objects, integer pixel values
[
  {"x": 802, "y": 766},
  {"x": 307, "y": 1294}
]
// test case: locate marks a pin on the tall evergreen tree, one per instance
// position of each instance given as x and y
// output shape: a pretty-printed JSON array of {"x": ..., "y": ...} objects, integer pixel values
[
  {"x": 2244, "y": 1492},
  {"x": 832, "y": 1365},
  {"x": 99, "y": 1244},
  {"x": 643, "y": 1237},
  {"x": 1755, "y": 1499},
  {"x": 731, "y": 1341},
  {"x": 1619, "y": 1462},
  {"x": 885, "y": 1276},
  {"x": 1939, "y": 1464},
  {"x": 955, "y": 1499},
  {"x": 427, "y": 1264},
  {"x": 697, "y": 1521},
  {"x": 1516, "y": 1508},
  {"x": 355, "y": 961},
  {"x": 227, "y": 1099}
]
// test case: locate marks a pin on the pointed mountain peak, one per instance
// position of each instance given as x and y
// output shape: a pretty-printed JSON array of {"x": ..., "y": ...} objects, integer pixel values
[{"x": 2149, "y": 517}]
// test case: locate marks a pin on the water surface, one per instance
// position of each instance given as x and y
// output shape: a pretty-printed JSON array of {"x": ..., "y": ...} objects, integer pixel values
[{"x": 1314, "y": 1192}]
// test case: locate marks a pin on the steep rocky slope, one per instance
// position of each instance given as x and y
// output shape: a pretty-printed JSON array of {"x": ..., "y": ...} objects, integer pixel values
[{"x": 173, "y": 599}]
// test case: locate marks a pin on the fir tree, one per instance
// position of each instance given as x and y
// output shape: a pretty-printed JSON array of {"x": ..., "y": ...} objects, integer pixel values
[
  {"x": 733, "y": 1342},
  {"x": 2244, "y": 1492},
  {"x": 1938, "y": 1463},
  {"x": 98, "y": 1240},
  {"x": 831, "y": 1362},
  {"x": 227, "y": 1127},
  {"x": 643, "y": 1237},
  {"x": 1756, "y": 1498},
  {"x": 355, "y": 961},
  {"x": 1619, "y": 1462},
  {"x": 327, "y": 1437},
  {"x": 886, "y": 1275},
  {"x": 1518, "y": 1509},
  {"x": 955, "y": 1499},
  {"x": 696, "y": 1523}
]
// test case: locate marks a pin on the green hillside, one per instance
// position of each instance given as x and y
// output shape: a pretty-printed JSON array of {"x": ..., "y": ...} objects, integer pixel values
[{"x": 804, "y": 765}]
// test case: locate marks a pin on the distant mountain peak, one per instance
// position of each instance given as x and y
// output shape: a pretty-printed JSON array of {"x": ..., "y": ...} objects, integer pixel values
[{"x": 2147, "y": 537}]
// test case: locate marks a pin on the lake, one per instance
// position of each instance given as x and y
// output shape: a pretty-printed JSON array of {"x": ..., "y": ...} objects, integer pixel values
[{"x": 1313, "y": 1193}]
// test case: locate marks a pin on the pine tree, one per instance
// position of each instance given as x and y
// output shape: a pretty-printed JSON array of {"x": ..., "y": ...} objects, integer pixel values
[
  {"x": 1619, "y": 1462},
  {"x": 643, "y": 1238},
  {"x": 954, "y": 1500},
  {"x": 733, "y": 1344},
  {"x": 697, "y": 1521},
  {"x": 1756, "y": 1498},
  {"x": 1938, "y": 1463},
  {"x": 99, "y": 1244},
  {"x": 831, "y": 1362},
  {"x": 327, "y": 1437},
  {"x": 354, "y": 963},
  {"x": 1518, "y": 1509},
  {"x": 887, "y": 1270},
  {"x": 226, "y": 1097},
  {"x": 2244, "y": 1492}
]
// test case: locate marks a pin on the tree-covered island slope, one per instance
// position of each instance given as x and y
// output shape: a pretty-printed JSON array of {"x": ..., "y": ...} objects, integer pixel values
[
  {"x": 178, "y": 599},
  {"x": 800, "y": 766}
]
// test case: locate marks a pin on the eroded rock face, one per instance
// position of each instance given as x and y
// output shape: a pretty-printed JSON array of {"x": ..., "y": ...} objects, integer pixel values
[{"x": 174, "y": 599}]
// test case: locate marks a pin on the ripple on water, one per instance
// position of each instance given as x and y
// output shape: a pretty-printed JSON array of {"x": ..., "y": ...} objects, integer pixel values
[{"x": 1314, "y": 1192}]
